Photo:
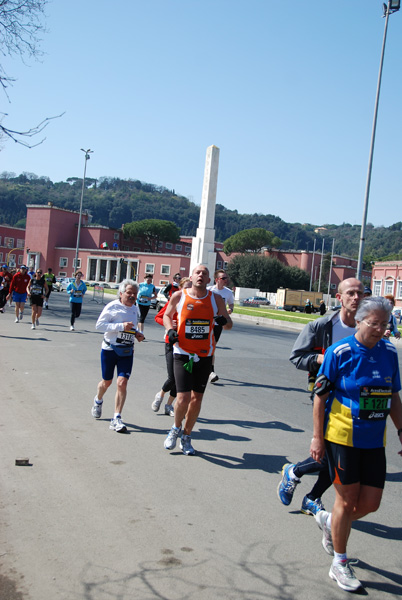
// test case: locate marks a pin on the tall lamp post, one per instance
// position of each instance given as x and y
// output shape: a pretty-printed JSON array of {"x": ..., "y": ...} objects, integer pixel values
[
  {"x": 393, "y": 6},
  {"x": 87, "y": 157}
]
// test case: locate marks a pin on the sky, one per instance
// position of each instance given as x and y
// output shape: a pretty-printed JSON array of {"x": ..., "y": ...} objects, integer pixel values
[{"x": 286, "y": 90}]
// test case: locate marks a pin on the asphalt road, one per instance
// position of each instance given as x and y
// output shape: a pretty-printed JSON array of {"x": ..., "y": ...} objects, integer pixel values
[{"x": 98, "y": 515}]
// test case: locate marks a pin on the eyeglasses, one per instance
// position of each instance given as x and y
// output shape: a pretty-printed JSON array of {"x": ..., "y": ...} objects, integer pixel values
[
  {"x": 223, "y": 278},
  {"x": 376, "y": 325},
  {"x": 39, "y": 272}
]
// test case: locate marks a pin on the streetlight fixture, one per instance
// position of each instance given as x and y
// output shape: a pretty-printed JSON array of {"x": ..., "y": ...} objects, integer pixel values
[
  {"x": 87, "y": 157},
  {"x": 393, "y": 6}
]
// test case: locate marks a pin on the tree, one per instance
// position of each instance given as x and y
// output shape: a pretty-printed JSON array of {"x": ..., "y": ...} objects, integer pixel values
[
  {"x": 153, "y": 231},
  {"x": 250, "y": 240},
  {"x": 265, "y": 274},
  {"x": 20, "y": 29}
]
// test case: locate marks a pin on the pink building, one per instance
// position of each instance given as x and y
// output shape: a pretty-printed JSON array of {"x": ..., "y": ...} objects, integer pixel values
[
  {"x": 104, "y": 253},
  {"x": 343, "y": 267},
  {"x": 12, "y": 244},
  {"x": 387, "y": 279}
]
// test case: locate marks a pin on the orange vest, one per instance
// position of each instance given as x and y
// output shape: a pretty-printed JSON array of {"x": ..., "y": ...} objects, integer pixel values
[{"x": 195, "y": 324}]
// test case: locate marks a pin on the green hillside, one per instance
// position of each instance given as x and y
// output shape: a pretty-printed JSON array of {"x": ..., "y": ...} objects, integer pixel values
[{"x": 113, "y": 202}]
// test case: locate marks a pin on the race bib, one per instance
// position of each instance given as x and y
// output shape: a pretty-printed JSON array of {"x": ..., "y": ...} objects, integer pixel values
[
  {"x": 126, "y": 337},
  {"x": 374, "y": 402},
  {"x": 197, "y": 329},
  {"x": 77, "y": 293}
]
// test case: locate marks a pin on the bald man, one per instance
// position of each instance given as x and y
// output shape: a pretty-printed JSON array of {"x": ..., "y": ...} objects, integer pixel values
[
  {"x": 308, "y": 355},
  {"x": 189, "y": 321}
]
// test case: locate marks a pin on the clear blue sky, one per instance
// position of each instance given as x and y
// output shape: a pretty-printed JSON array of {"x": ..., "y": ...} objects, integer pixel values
[{"x": 286, "y": 90}]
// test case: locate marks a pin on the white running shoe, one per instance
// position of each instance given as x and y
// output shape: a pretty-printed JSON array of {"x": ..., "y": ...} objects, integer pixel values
[
  {"x": 169, "y": 410},
  {"x": 157, "y": 402},
  {"x": 33, "y": 326},
  {"x": 343, "y": 574},
  {"x": 118, "y": 425},
  {"x": 171, "y": 440},
  {"x": 72, "y": 328},
  {"x": 185, "y": 445},
  {"x": 96, "y": 410},
  {"x": 322, "y": 519},
  {"x": 213, "y": 377}
]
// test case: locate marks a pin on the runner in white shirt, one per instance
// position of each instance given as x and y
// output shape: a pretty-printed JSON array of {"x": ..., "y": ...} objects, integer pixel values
[{"x": 220, "y": 278}]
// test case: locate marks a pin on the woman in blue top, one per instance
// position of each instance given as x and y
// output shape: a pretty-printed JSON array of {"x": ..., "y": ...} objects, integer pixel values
[
  {"x": 76, "y": 289},
  {"x": 356, "y": 389},
  {"x": 145, "y": 294}
]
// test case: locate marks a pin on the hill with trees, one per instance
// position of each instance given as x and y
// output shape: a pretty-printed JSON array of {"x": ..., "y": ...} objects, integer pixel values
[{"x": 112, "y": 202}]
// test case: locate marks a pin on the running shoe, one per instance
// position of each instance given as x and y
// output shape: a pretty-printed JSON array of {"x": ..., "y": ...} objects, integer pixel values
[
  {"x": 17, "y": 320},
  {"x": 185, "y": 445},
  {"x": 343, "y": 574},
  {"x": 118, "y": 425},
  {"x": 171, "y": 440},
  {"x": 213, "y": 377},
  {"x": 37, "y": 321},
  {"x": 322, "y": 519},
  {"x": 33, "y": 326},
  {"x": 157, "y": 402},
  {"x": 72, "y": 328},
  {"x": 287, "y": 485},
  {"x": 311, "y": 507},
  {"x": 169, "y": 410},
  {"x": 96, "y": 410},
  {"x": 21, "y": 315}
]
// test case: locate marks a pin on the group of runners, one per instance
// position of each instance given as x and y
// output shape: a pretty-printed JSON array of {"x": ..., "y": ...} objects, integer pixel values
[
  {"x": 351, "y": 366},
  {"x": 17, "y": 287}
]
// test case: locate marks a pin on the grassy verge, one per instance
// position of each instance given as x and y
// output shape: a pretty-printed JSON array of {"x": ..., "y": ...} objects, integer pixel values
[{"x": 278, "y": 315}]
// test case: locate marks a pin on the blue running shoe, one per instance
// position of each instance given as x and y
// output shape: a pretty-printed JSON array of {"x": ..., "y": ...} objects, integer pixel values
[
  {"x": 287, "y": 485},
  {"x": 311, "y": 507}
]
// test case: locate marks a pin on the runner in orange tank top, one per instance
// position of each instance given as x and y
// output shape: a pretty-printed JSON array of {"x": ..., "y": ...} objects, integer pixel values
[{"x": 193, "y": 348}]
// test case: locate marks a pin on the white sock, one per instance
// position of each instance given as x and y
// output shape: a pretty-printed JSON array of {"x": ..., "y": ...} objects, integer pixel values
[
  {"x": 338, "y": 557},
  {"x": 117, "y": 415},
  {"x": 97, "y": 401}
]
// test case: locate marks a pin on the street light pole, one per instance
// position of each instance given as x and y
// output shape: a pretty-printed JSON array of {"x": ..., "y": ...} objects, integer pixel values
[
  {"x": 393, "y": 6},
  {"x": 87, "y": 157}
]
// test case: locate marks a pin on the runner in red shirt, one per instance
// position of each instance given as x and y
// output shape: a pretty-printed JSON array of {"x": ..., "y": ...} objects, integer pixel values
[{"x": 18, "y": 289}]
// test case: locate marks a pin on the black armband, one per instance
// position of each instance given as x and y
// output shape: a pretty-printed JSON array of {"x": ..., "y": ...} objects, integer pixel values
[{"x": 323, "y": 386}]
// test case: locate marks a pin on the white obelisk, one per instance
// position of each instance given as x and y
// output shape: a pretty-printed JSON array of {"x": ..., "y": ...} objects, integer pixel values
[{"x": 203, "y": 246}]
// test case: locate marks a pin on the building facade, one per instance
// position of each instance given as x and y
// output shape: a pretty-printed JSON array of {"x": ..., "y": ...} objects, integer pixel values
[
  {"x": 387, "y": 279},
  {"x": 12, "y": 246}
]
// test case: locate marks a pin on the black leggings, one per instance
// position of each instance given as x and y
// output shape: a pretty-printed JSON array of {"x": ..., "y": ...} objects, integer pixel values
[
  {"x": 170, "y": 384},
  {"x": 324, "y": 479},
  {"x": 75, "y": 311}
]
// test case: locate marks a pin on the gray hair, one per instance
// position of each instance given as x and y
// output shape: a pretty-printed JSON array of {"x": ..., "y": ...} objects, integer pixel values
[
  {"x": 372, "y": 304},
  {"x": 125, "y": 283}
]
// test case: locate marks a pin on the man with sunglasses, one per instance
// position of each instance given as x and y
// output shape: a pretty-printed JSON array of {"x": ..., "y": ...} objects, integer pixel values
[
  {"x": 220, "y": 288},
  {"x": 173, "y": 287},
  {"x": 37, "y": 290}
]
